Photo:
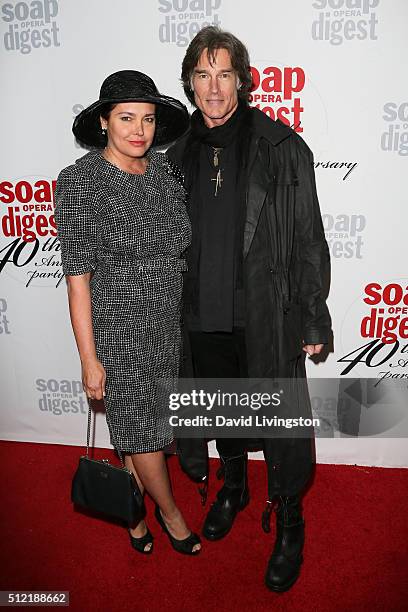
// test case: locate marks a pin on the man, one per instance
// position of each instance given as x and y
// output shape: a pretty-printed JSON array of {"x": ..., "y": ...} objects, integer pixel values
[{"x": 253, "y": 296}]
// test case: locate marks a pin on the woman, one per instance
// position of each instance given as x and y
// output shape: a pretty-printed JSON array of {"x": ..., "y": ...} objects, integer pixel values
[{"x": 123, "y": 225}]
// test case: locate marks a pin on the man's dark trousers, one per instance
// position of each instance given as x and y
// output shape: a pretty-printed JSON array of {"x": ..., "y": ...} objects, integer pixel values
[{"x": 221, "y": 355}]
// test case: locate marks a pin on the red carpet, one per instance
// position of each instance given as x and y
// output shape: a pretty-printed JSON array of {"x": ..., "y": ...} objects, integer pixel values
[{"x": 356, "y": 553}]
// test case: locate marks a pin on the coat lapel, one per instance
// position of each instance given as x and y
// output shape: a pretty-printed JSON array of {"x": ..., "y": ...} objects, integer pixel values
[{"x": 257, "y": 190}]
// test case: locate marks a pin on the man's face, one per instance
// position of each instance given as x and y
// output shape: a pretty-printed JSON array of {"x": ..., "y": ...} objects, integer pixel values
[{"x": 215, "y": 87}]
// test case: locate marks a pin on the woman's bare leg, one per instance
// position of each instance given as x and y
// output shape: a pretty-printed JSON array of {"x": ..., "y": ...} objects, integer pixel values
[
  {"x": 140, "y": 529},
  {"x": 152, "y": 471}
]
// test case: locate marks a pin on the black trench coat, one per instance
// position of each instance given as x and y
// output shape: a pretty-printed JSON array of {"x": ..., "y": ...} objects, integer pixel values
[{"x": 286, "y": 267}]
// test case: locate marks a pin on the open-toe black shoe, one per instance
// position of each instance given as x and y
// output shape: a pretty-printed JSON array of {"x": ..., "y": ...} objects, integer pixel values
[
  {"x": 185, "y": 546},
  {"x": 140, "y": 544}
]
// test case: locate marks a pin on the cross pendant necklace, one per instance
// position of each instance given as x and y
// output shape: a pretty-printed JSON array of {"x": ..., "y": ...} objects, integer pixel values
[
  {"x": 218, "y": 179},
  {"x": 218, "y": 182}
]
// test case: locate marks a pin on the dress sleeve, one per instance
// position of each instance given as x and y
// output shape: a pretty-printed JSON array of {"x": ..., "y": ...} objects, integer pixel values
[{"x": 76, "y": 223}]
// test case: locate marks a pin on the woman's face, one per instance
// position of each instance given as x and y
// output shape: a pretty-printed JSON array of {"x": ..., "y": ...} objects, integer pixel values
[{"x": 130, "y": 128}]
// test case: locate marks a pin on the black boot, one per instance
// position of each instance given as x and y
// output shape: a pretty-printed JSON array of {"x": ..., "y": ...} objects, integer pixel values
[
  {"x": 284, "y": 565},
  {"x": 231, "y": 498}
]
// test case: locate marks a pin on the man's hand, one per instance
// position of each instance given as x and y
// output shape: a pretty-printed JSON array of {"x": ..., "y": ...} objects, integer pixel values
[{"x": 312, "y": 349}]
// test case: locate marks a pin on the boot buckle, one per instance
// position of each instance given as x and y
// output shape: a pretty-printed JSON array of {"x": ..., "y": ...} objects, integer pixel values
[
  {"x": 203, "y": 490},
  {"x": 271, "y": 505}
]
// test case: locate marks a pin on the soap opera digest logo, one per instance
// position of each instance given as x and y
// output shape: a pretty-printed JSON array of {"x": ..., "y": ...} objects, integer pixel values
[
  {"x": 29, "y": 248},
  {"x": 61, "y": 396},
  {"x": 4, "y": 322},
  {"x": 380, "y": 317},
  {"x": 277, "y": 92},
  {"x": 31, "y": 25},
  {"x": 344, "y": 235},
  {"x": 341, "y": 20},
  {"x": 395, "y": 137},
  {"x": 286, "y": 92},
  {"x": 183, "y": 19}
]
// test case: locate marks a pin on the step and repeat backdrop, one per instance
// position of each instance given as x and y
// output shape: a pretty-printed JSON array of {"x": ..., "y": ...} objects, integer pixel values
[{"x": 331, "y": 68}]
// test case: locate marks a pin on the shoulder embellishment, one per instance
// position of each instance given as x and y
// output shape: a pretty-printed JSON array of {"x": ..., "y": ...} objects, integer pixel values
[{"x": 175, "y": 171}]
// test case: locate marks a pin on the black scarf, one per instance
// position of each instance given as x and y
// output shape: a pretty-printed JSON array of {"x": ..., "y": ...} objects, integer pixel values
[
  {"x": 236, "y": 130},
  {"x": 220, "y": 135}
]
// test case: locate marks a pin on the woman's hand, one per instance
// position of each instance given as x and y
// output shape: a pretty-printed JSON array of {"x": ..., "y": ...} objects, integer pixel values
[
  {"x": 93, "y": 372},
  {"x": 93, "y": 379}
]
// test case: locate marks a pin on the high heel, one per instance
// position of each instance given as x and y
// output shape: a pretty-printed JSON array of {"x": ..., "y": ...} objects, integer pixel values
[
  {"x": 140, "y": 544},
  {"x": 185, "y": 546}
]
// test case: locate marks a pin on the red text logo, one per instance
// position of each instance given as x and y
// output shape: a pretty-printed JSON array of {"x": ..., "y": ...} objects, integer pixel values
[
  {"x": 27, "y": 208},
  {"x": 276, "y": 92}
]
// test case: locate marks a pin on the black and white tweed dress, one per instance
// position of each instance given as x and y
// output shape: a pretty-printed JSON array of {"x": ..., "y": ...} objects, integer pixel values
[{"x": 131, "y": 231}]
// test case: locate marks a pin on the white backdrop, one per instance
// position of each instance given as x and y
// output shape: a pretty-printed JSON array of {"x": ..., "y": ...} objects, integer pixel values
[{"x": 332, "y": 65}]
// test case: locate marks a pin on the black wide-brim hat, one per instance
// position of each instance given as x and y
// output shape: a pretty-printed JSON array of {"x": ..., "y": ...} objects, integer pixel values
[{"x": 172, "y": 118}]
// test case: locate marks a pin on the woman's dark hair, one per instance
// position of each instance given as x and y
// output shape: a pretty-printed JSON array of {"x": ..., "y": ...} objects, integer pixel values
[
  {"x": 213, "y": 38},
  {"x": 106, "y": 110}
]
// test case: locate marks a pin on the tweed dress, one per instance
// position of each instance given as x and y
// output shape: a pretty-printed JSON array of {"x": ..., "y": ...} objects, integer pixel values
[{"x": 130, "y": 231}]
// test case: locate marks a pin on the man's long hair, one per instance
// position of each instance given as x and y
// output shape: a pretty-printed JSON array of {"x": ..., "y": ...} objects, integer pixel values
[{"x": 213, "y": 38}]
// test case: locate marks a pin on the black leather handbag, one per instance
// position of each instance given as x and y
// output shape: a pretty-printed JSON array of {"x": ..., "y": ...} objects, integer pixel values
[{"x": 98, "y": 485}]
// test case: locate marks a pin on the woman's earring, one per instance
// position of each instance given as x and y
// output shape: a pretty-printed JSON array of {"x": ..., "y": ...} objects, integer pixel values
[{"x": 103, "y": 131}]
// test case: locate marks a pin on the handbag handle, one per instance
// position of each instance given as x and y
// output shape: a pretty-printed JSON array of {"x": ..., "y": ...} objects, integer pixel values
[{"x": 88, "y": 434}]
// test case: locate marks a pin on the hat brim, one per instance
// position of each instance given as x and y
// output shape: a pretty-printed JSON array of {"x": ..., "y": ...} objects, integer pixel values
[{"x": 172, "y": 120}]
